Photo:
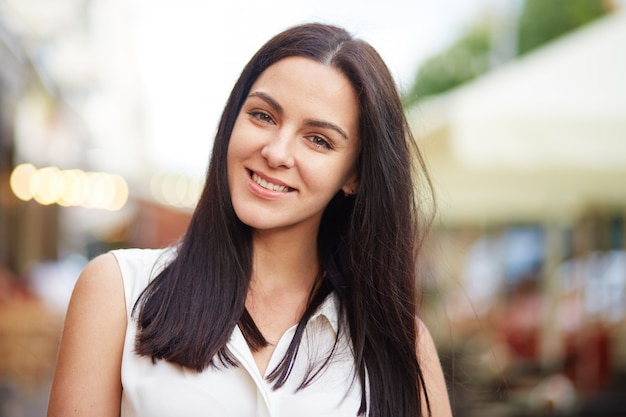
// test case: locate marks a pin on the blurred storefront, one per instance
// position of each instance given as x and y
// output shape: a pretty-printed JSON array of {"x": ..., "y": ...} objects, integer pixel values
[
  {"x": 70, "y": 156},
  {"x": 70, "y": 136},
  {"x": 528, "y": 255}
]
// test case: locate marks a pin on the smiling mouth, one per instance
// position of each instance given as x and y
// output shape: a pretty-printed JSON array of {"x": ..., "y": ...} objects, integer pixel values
[{"x": 268, "y": 185}]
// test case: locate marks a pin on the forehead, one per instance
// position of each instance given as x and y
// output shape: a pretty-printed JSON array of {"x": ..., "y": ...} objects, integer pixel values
[{"x": 311, "y": 89}]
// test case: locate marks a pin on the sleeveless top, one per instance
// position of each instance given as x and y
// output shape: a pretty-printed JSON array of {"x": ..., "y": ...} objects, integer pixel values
[{"x": 164, "y": 389}]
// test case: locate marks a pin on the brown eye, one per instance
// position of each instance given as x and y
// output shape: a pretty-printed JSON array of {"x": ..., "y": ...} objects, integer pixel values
[
  {"x": 319, "y": 142},
  {"x": 261, "y": 116}
]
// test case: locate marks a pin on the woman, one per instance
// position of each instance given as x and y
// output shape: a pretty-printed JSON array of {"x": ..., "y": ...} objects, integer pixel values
[{"x": 293, "y": 292}]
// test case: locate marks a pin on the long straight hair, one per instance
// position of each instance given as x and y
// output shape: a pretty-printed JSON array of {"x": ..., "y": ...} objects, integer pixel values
[{"x": 368, "y": 244}]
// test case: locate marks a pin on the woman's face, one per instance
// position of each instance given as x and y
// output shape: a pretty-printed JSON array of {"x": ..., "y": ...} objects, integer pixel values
[{"x": 293, "y": 146}]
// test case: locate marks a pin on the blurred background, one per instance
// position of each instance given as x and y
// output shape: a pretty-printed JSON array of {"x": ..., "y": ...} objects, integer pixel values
[{"x": 107, "y": 112}]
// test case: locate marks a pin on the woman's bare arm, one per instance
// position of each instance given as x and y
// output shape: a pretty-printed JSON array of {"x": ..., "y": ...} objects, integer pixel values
[
  {"x": 433, "y": 374},
  {"x": 87, "y": 379}
]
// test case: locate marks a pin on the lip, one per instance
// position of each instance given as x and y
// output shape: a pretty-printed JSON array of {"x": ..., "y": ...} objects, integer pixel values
[{"x": 263, "y": 192}]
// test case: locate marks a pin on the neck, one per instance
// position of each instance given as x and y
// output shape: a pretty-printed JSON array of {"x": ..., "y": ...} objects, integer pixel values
[
  {"x": 284, "y": 272},
  {"x": 284, "y": 263}
]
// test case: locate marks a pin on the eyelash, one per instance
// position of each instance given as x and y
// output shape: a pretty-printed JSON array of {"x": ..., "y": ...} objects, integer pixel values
[
  {"x": 261, "y": 116},
  {"x": 323, "y": 144}
]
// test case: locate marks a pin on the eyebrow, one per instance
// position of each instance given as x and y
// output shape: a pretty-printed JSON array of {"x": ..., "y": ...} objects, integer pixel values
[
  {"x": 268, "y": 99},
  {"x": 309, "y": 122},
  {"x": 326, "y": 125}
]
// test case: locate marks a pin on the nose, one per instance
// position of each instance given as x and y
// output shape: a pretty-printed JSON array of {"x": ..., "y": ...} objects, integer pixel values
[{"x": 278, "y": 151}]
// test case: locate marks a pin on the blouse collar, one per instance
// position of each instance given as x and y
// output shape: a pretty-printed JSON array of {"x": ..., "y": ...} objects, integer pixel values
[{"x": 329, "y": 309}]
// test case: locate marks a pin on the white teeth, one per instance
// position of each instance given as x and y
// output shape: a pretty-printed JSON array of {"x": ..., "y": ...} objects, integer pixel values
[{"x": 268, "y": 185}]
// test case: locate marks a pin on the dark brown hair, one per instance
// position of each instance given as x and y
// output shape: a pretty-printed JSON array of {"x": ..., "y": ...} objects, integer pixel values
[{"x": 368, "y": 244}]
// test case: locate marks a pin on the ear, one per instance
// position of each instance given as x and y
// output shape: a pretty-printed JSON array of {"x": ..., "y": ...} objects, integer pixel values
[{"x": 351, "y": 186}]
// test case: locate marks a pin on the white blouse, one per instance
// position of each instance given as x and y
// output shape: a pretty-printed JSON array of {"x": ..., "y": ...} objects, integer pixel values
[{"x": 163, "y": 389}]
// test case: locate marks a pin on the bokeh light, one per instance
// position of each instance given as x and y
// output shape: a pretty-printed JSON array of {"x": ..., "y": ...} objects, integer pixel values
[{"x": 69, "y": 188}]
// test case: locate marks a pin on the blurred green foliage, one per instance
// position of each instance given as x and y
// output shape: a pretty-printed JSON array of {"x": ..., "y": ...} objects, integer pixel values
[
  {"x": 539, "y": 22},
  {"x": 463, "y": 61},
  {"x": 544, "y": 20}
]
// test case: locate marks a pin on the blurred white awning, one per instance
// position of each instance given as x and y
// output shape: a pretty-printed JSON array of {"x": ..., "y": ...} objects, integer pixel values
[{"x": 543, "y": 136}]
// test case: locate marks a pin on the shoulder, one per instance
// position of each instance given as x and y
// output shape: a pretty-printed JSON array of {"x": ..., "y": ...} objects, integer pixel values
[
  {"x": 87, "y": 376},
  {"x": 100, "y": 277},
  {"x": 426, "y": 348},
  {"x": 428, "y": 358},
  {"x": 98, "y": 293}
]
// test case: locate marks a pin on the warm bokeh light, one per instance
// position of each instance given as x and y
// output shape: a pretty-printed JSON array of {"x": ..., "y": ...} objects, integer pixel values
[
  {"x": 20, "y": 181},
  {"x": 71, "y": 187},
  {"x": 73, "y": 193},
  {"x": 175, "y": 190},
  {"x": 121, "y": 192},
  {"x": 99, "y": 189},
  {"x": 46, "y": 185}
]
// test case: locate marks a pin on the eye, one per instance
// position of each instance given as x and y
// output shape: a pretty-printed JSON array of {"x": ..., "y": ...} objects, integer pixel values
[
  {"x": 261, "y": 116},
  {"x": 319, "y": 142}
]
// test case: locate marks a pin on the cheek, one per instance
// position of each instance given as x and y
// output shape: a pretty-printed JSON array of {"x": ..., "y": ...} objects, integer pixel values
[
  {"x": 233, "y": 157},
  {"x": 236, "y": 147},
  {"x": 243, "y": 140},
  {"x": 325, "y": 179}
]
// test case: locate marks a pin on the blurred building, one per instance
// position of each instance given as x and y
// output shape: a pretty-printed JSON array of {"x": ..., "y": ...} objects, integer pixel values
[
  {"x": 74, "y": 181},
  {"x": 72, "y": 131}
]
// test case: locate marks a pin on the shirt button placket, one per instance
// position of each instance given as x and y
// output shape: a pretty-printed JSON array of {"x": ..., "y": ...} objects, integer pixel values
[{"x": 264, "y": 406}]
